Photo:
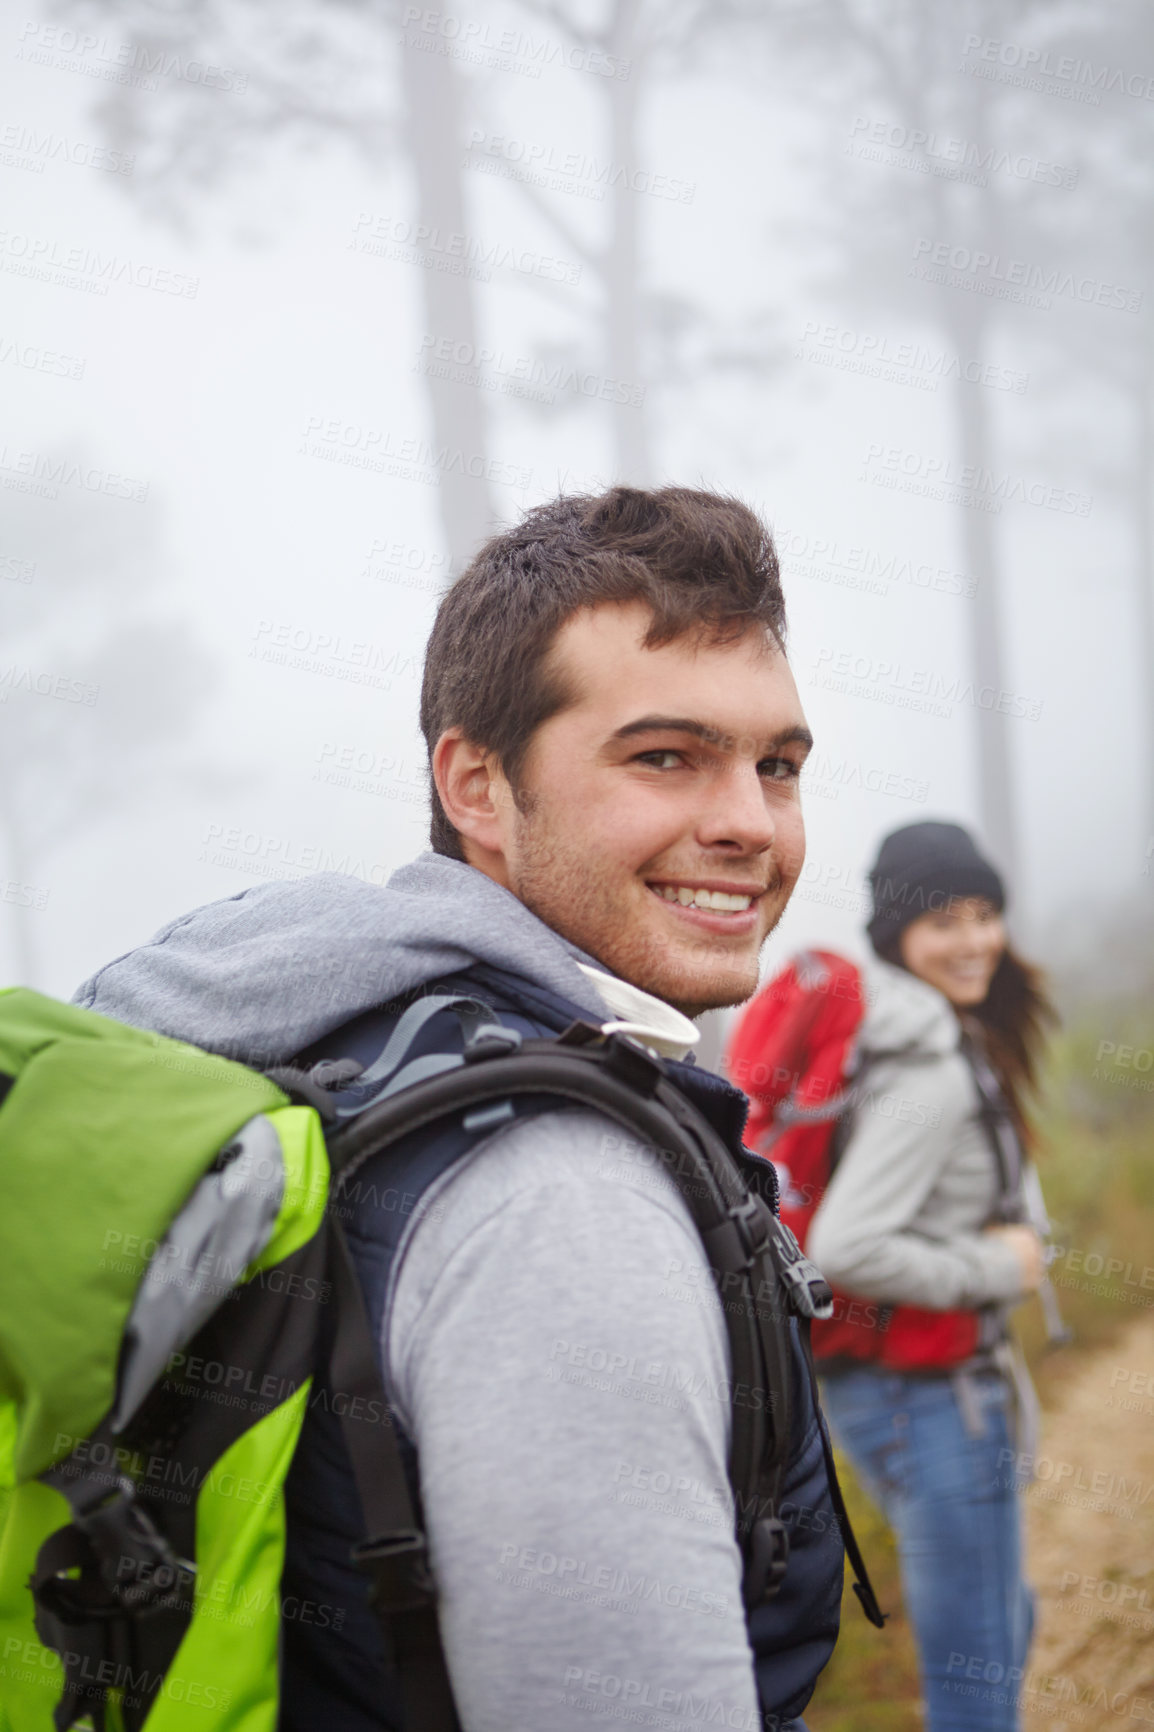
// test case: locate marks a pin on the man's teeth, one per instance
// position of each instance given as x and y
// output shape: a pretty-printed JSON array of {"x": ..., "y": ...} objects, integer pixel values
[{"x": 723, "y": 901}]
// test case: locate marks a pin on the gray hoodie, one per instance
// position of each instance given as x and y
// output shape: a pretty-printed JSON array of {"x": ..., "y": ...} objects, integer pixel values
[
  {"x": 555, "y": 1345},
  {"x": 902, "y": 1219},
  {"x": 267, "y": 972}
]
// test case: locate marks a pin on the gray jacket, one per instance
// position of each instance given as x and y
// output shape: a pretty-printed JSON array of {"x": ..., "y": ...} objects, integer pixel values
[
  {"x": 902, "y": 1219},
  {"x": 558, "y": 1297}
]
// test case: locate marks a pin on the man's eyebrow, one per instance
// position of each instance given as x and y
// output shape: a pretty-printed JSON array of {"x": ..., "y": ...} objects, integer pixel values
[{"x": 702, "y": 731}]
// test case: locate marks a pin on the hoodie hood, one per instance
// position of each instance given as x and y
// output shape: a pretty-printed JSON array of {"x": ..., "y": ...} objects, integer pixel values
[
  {"x": 905, "y": 1013},
  {"x": 262, "y": 975}
]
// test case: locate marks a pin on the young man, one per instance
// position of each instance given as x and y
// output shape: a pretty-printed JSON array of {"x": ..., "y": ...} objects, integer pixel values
[{"x": 615, "y": 740}]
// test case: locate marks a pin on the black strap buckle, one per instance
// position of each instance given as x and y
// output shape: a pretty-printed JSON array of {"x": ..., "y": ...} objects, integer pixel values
[
  {"x": 634, "y": 1062},
  {"x": 739, "y": 1240},
  {"x": 92, "y": 1580},
  {"x": 402, "y": 1580},
  {"x": 766, "y": 1561},
  {"x": 809, "y": 1292},
  {"x": 580, "y": 1033},
  {"x": 136, "y": 1564}
]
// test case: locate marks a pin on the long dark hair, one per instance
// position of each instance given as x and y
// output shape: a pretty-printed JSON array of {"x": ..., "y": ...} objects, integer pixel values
[{"x": 1015, "y": 1017}]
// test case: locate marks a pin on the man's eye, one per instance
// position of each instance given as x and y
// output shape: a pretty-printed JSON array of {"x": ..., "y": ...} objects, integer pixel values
[
  {"x": 663, "y": 760},
  {"x": 779, "y": 769}
]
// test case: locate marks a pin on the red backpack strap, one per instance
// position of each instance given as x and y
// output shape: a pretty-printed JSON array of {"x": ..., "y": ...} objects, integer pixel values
[{"x": 816, "y": 1001}]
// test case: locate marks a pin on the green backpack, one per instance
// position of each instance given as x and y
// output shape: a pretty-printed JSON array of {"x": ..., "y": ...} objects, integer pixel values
[
  {"x": 213, "y": 1201},
  {"x": 175, "y": 1292}
]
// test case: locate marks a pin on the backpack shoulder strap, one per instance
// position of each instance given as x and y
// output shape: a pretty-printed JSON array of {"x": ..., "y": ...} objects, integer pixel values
[
  {"x": 394, "y": 1552},
  {"x": 862, "y": 1586},
  {"x": 315, "y": 1083},
  {"x": 623, "y": 1079},
  {"x": 1001, "y": 1133}
]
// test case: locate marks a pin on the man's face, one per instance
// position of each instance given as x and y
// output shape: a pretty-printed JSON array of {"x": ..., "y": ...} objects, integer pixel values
[{"x": 660, "y": 824}]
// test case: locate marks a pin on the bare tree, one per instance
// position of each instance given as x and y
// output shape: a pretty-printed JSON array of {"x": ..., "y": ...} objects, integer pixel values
[
  {"x": 898, "y": 61},
  {"x": 1110, "y": 40},
  {"x": 346, "y": 70},
  {"x": 647, "y": 340},
  {"x": 433, "y": 135},
  {"x": 301, "y": 75}
]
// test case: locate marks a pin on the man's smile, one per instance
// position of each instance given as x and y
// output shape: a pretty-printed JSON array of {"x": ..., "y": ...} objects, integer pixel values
[{"x": 709, "y": 904}]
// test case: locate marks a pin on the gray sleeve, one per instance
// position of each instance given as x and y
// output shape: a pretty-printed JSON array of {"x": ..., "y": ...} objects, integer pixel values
[
  {"x": 895, "y": 1224},
  {"x": 557, "y": 1350}
]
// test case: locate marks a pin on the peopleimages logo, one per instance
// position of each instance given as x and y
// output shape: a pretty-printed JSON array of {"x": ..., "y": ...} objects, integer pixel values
[
  {"x": 383, "y": 452},
  {"x": 936, "y": 477},
  {"x": 25, "y": 147},
  {"x": 507, "y": 50},
  {"x": 859, "y": 567},
  {"x": 826, "y": 776},
  {"x": 396, "y": 237},
  {"x": 78, "y": 267},
  {"x": 570, "y": 171},
  {"x": 487, "y": 367},
  {"x": 139, "y": 63},
  {"x": 49, "y": 473},
  {"x": 39, "y": 682},
  {"x": 256, "y": 854},
  {"x": 926, "y": 689},
  {"x": 994, "y": 273},
  {"x": 400, "y": 562},
  {"x": 34, "y": 359},
  {"x": 952, "y": 158},
  {"x": 1069, "y": 75},
  {"x": 901, "y": 363}
]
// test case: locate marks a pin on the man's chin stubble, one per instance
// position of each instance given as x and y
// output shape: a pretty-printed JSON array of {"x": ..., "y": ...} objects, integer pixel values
[
  {"x": 735, "y": 982},
  {"x": 714, "y": 984},
  {"x": 722, "y": 995}
]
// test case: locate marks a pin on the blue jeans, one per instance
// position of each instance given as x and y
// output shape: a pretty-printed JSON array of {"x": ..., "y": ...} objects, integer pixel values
[{"x": 951, "y": 1498}]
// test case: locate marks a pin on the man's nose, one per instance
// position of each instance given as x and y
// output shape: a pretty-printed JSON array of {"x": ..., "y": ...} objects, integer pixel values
[{"x": 738, "y": 814}]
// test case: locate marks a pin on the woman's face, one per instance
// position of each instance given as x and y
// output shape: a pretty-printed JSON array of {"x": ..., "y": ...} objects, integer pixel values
[{"x": 956, "y": 949}]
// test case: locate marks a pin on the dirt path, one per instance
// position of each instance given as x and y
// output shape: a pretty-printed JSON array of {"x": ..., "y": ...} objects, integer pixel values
[{"x": 1091, "y": 1543}]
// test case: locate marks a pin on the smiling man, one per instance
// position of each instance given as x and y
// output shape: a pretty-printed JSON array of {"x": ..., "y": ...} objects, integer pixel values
[
  {"x": 665, "y": 841},
  {"x": 615, "y": 741}
]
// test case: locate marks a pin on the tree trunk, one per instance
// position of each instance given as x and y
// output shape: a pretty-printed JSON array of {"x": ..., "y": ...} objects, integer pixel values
[
  {"x": 631, "y": 453},
  {"x": 965, "y": 321},
  {"x": 996, "y": 813},
  {"x": 1145, "y": 576},
  {"x": 432, "y": 107}
]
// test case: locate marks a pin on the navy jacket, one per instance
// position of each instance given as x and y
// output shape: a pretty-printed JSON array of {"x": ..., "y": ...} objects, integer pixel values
[{"x": 336, "y": 1673}]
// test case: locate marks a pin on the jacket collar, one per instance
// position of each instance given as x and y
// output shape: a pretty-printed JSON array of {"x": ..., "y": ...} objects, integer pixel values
[{"x": 725, "y": 1106}]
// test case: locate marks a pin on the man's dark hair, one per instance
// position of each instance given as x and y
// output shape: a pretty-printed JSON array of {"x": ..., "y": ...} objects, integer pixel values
[{"x": 704, "y": 564}]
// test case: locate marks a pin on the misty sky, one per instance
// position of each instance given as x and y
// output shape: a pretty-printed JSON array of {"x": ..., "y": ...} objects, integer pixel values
[{"x": 294, "y": 341}]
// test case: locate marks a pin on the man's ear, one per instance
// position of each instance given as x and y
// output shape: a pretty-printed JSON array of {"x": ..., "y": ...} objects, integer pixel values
[{"x": 478, "y": 801}]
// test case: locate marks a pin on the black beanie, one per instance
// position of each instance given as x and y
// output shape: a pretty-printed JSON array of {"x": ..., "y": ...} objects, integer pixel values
[{"x": 917, "y": 871}]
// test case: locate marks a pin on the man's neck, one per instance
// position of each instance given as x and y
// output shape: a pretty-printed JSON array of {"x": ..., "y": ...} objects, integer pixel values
[{"x": 653, "y": 1020}]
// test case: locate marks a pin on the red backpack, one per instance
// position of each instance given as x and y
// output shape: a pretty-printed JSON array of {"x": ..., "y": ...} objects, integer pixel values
[{"x": 793, "y": 1052}]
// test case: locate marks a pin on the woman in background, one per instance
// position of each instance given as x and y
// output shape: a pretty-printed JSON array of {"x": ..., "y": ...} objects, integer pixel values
[{"x": 920, "y": 1211}]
